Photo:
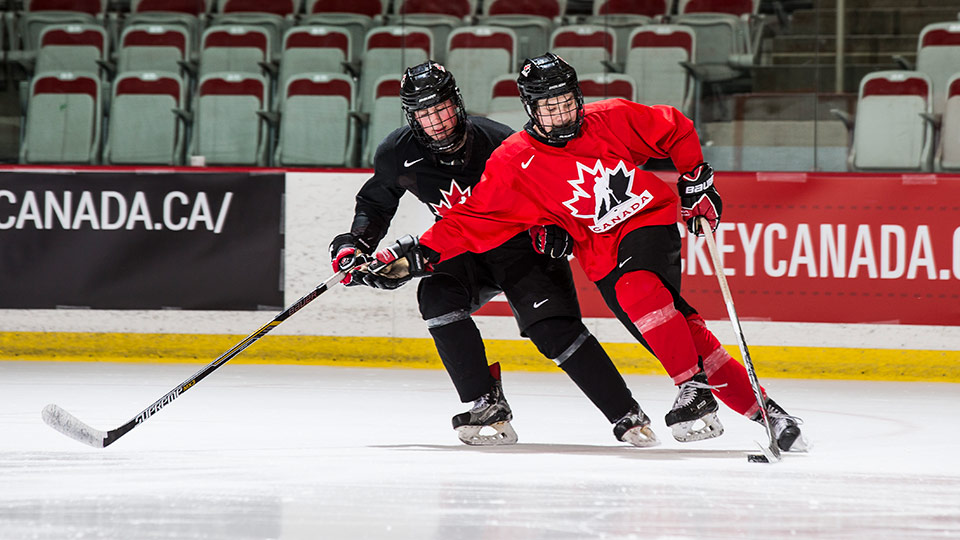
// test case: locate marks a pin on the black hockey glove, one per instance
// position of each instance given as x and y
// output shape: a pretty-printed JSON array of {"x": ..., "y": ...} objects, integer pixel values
[
  {"x": 403, "y": 260},
  {"x": 343, "y": 253},
  {"x": 551, "y": 240},
  {"x": 699, "y": 198}
]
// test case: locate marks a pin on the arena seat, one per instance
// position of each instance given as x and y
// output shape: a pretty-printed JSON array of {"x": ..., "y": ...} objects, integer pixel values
[
  {"x": 531, "y": 20},
  {"x": 386, "y": 115},
  {"x": 154, "y": 47},
  {"x": 890, "y": 131},
  {"x": 144, "y": 127},
  {"x": 477, "y": 55},
  {"x": 227, "y": 129},
  {"x": 79, "y": 48},
  {"x": 63, "y": 119},
  {"x": 654, "y": 60},
  {"x": 440, "y": 16},
  {"x": 588, "y": 48},
  {"x": 357, "y": 16},
  {"x": 310, "y": 101},
  {"x": 389, "y": 50},
  {"x": 235, "y": 48},
  {"x": 314, "y": 49},
  {"x": 938, "y": 57}
]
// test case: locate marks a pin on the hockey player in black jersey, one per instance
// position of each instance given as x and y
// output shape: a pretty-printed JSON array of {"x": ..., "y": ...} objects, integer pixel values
[{"x": 439, "y": 157}]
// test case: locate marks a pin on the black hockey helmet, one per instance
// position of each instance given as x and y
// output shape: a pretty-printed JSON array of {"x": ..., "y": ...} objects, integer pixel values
[
  {"x": 427, "y": 85},
  {"x": 549, "y": 76}
]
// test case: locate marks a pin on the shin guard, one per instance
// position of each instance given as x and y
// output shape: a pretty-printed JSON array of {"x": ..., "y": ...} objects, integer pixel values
[
  {"x": 723, "y": 369},
  {"x": 594, "y": 373},
  {"x": 464, "y": 357},
  {"x": 650, "y": 306}
]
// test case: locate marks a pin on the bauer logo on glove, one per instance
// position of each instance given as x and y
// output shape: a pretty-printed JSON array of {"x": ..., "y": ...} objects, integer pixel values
[{"x": 699, "y": 198}]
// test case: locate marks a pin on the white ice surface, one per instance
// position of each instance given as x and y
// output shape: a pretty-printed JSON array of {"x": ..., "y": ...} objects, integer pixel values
[{"x": 296, "y": 452}]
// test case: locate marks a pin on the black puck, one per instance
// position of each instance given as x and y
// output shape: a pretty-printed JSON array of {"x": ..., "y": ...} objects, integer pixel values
[{"x": 757, "y": 458}]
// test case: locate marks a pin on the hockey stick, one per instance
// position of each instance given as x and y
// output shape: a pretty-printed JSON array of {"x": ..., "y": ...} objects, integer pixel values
[
  {"x": 771, "y": 452},
  {"x": 71, "y": 426}
]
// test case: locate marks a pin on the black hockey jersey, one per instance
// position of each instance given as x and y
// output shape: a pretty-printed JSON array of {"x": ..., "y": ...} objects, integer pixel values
[{"x": 401, "y": 164}]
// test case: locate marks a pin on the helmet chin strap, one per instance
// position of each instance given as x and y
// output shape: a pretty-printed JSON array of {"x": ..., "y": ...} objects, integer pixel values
[{"x": 456, "y": 155}]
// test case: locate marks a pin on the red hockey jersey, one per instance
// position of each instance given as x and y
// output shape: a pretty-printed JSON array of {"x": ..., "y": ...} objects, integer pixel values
[{"x": 591, "y": 187}]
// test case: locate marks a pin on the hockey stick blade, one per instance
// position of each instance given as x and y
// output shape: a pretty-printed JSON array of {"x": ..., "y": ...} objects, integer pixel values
[
  {"x": 71, "y": 426},
  {"x": 769, "y": 455}
]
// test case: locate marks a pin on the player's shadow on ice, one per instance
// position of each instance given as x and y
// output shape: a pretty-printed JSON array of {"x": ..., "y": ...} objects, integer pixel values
[{"x": 629, "y": 452}]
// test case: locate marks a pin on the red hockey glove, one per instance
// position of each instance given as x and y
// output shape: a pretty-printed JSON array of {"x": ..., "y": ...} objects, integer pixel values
[
  {"x": 343, "y": 253},
  {"x": 551, "y": 240},
  {"x": 403, "y": 260},
  {"x": 698, "y": 198}
]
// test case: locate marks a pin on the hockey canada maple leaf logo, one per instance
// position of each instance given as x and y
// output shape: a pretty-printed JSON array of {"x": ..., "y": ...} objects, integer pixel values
[
  {"x": 605, "y": 196},
  {"x": 454, "y": 195}
]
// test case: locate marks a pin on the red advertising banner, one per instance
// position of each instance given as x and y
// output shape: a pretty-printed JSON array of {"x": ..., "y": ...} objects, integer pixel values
[{"x": 825, "y": 247}]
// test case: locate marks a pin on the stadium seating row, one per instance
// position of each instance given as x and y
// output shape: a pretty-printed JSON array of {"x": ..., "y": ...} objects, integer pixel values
[{"x": 229, "y": 121}]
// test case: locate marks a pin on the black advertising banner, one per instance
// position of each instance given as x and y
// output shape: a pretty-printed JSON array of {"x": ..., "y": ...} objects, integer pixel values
[{"x": 138, "y": 240}]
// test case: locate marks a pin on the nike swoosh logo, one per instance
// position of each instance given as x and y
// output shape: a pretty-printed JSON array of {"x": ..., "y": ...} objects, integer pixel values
[
  {"x": 527, "y": 164},
  {"x": 410, "y": 163},
  {"x": 624, "y": 262},
  {"x": 540, "y": 303}
]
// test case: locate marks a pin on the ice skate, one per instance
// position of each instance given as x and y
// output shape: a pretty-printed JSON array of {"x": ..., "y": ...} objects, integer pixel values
[
  {"x": 786, "y": 428},
  {"x": 634, "y": 428},
  {"x": 490, "y": 412},
  {"x": 694, "y": 403}
]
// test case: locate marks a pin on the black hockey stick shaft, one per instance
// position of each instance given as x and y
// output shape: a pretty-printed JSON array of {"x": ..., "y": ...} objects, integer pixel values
[
  {"x": 64, "y": 422},
  {"x": 773, "y": 451}
]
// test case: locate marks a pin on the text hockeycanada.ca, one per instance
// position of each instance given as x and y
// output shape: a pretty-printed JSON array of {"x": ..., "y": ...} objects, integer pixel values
[
  {"x": 112, "y": 210},
  {"x": 885, "y": 251}
]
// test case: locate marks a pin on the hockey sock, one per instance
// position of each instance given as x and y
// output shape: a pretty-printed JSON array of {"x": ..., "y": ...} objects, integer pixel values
[
  {"x": 464, "y": 357},
  {"x": 593, "y": 372},
  {"x": 723, "y": 369},
  {"x": 567, "y": 342},
  {"x": 650, "y": 306}
]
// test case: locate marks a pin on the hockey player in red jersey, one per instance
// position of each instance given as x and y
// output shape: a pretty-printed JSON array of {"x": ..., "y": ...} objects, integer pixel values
[{"x": 575, "y": 166}]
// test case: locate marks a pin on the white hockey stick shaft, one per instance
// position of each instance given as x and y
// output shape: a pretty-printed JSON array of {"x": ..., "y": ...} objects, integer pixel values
[{"x": 773, "y": 451}]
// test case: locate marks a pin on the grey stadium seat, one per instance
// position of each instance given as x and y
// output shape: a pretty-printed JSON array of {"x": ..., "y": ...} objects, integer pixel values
[
  {"x": 654, "y": 58},
  {"x": 154, "y": 47},
  {"x": 386, "y": 115},
  {"x": 314, "y": 49},
  {"x": 235, "y": 48},
  {"x": 588, "y": 48},
  {"x": 357, "y": 16},
  {"x": 477, "y": 55},
  {"x": 938, "y": 57},
  {"x": 388, "y": 51},
  {"x": 78, "y": 48},
  {"x": 949, "y": 154},
  {"x": 317, "y": 127},
  {"x": 505, "y": 104},
  {"x": 531, "y": 20},
  {"x": 63, "y": 123},
  {"x": 144, "y": 126},
  {"x": 890, "y": 132},
  {"x": 227, "y": 129}
]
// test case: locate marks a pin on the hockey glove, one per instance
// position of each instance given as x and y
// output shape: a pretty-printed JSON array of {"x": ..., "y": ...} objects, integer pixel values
[
  {"x": 343, "y": 253},
  {"x": 403, "y": 260},
  {"x": 699, "y": 198},
  {"x": 551, "y": 240}
]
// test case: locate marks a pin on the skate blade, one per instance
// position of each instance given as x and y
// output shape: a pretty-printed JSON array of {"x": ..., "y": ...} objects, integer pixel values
[
  {"x": 685, "y": 431},
  {"x": 643, "y": 437},
  {"x": 504, "y": 435}
]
